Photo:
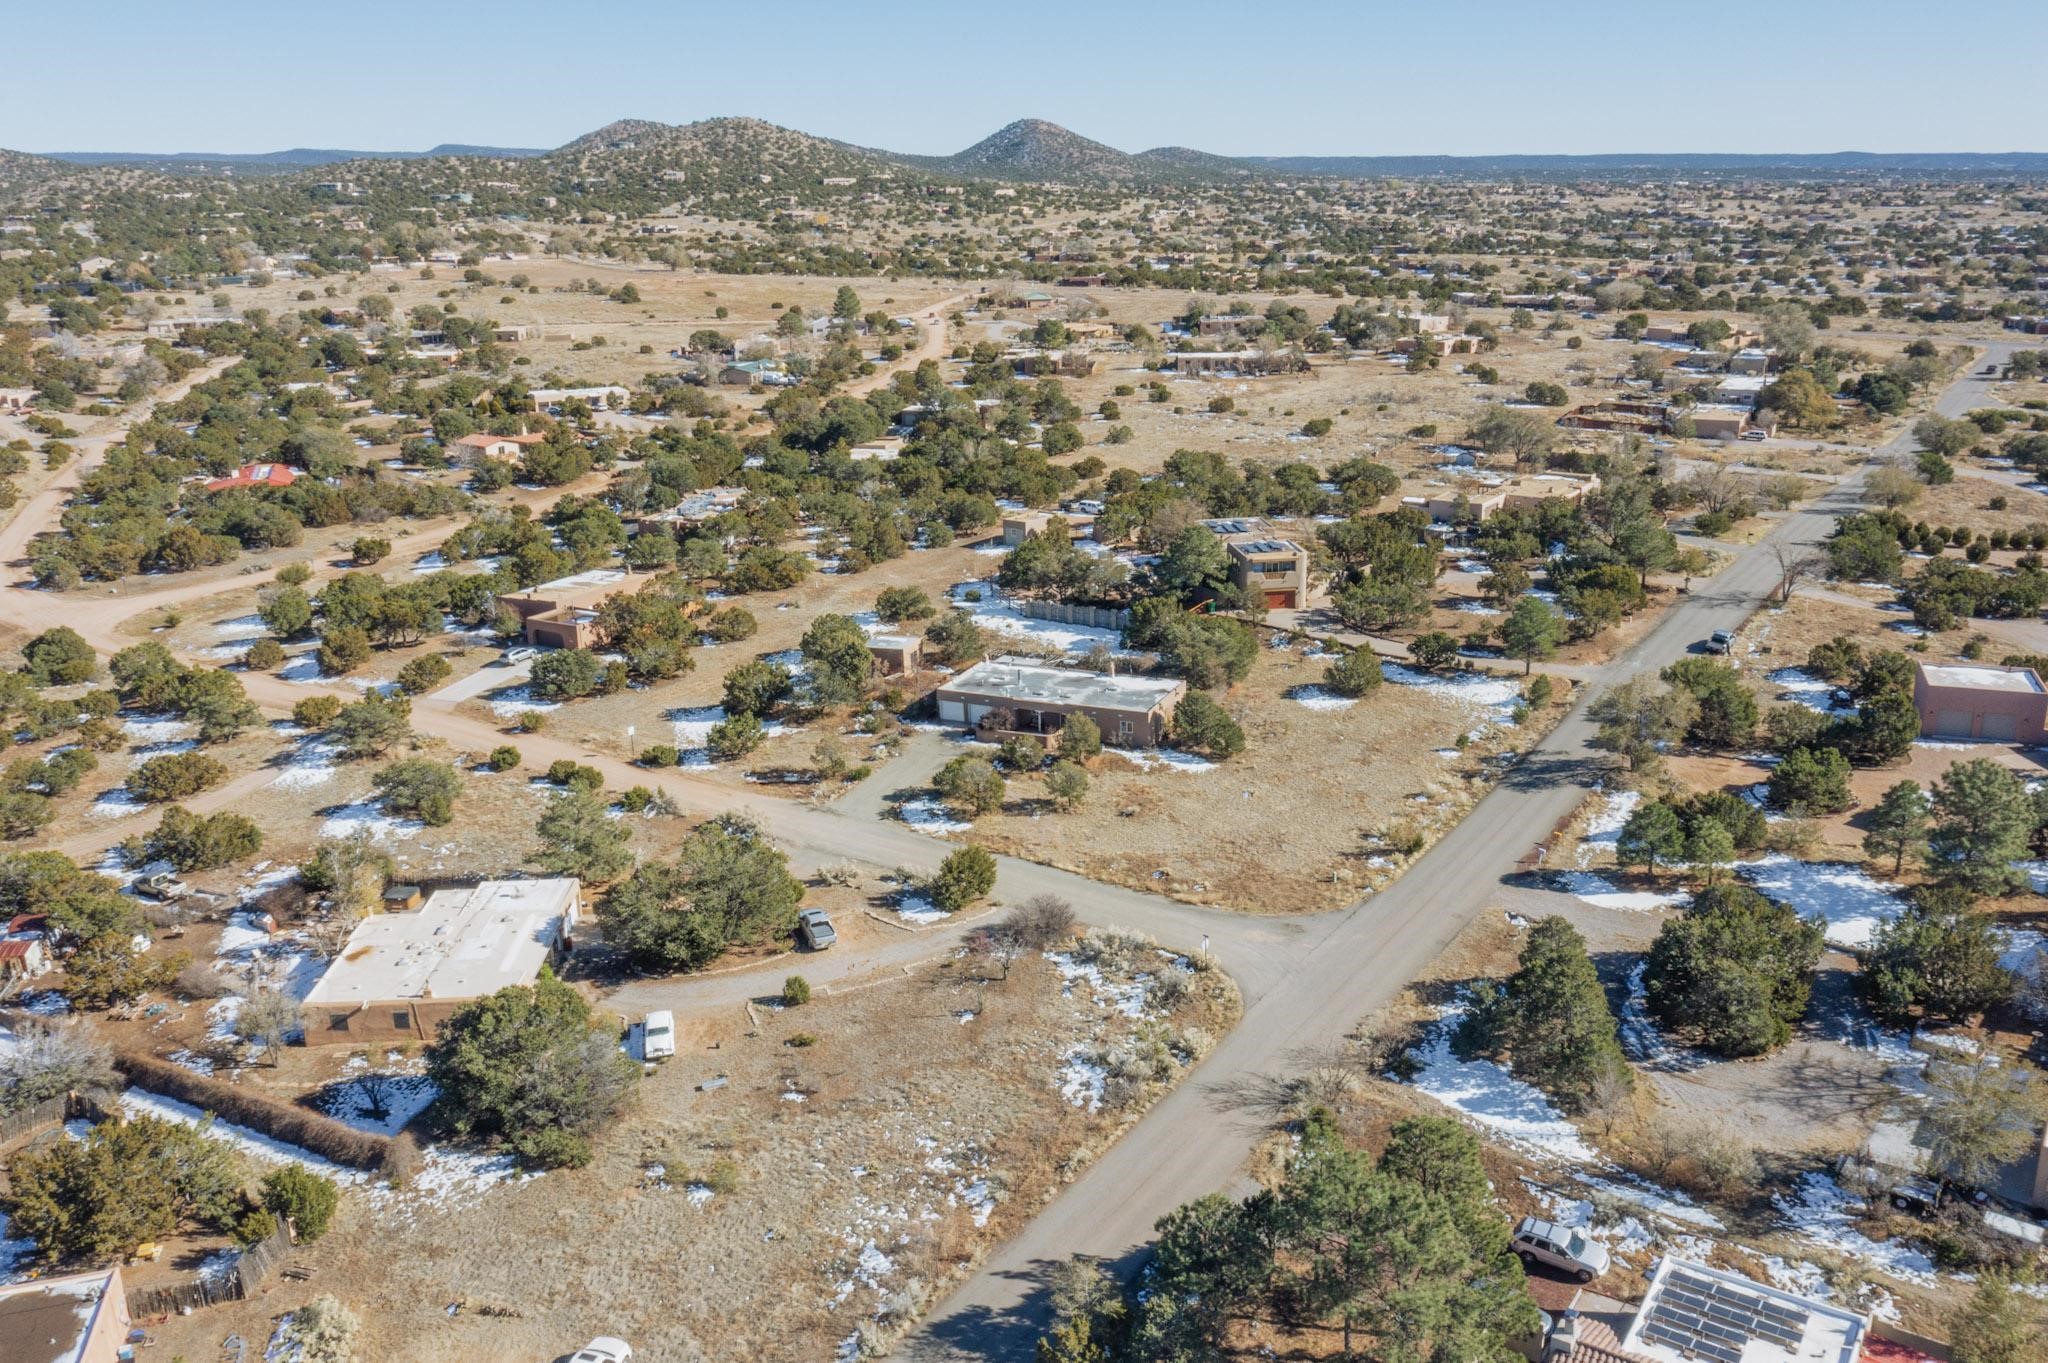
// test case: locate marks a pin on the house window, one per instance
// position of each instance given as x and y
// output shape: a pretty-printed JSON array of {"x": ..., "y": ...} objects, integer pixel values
[
  {"x": 1124, "y": 729},
  {"x": 401, "y": 1018},
  {"x": 337, "y": 1022}
]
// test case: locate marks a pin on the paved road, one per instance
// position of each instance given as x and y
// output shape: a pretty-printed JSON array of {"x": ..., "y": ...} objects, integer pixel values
[{"x": 1344, "y": 966}]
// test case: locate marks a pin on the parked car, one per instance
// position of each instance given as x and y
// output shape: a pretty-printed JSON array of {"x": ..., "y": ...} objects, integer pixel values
[
  {"x": 1721, "y": 641},
  {"x": 1755, "y": 437},
  {"x": 658, "y": 1035},
  {"x": 604, "y": 1349},
  {"x": 814, "y": 930},
  {"x": 1542, "y": 1242},
  {"x": 525, "y": 653}
]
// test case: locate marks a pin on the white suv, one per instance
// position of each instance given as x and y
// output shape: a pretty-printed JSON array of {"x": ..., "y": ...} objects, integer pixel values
[{"x": 1541, "y": 1242}]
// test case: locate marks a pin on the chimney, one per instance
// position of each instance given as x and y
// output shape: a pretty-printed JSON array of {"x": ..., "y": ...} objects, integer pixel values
[{"x": 1564, "y": 1337}]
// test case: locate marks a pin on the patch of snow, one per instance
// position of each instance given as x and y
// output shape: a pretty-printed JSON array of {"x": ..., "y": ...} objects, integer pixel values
[
  {"x": 919, "y": 910},
  {"x": 1485, "y": 1094},
  {"x": 513, "y": 701},
  {"x": 241, "y": 627},
  {"x": 995, "y": 613},
  {"x": 115, "y": 804},
  {"x": 1162, "y": 759},
  {"x": 311, "y": 764},
  {"x": 1603, "y": 830},
  {"x": 1852, "y": 904},
  {"x": 1603, "y": 893},
  {"x": 405, "y": 1096},
  {"x": 1801, "y": 687},
  {"x": 367, "y": 816},
  {"x": 1478, "y": 693},
  {"x": 1320, "y": 698},
  {"x": 931, "y": 815},
  {"x": 1081, "y": 1080},
  {"x": 1823, "y": 1212}
]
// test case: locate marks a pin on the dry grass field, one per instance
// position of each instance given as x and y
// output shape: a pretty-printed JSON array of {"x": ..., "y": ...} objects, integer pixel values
[{"x": 826, "y": 1189}]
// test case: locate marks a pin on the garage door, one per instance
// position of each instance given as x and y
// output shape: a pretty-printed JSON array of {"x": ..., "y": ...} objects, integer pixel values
[
  {"x": 1999, "y": 728},
  {"x": 1279, "y": 601},
  {"x": 1952, "y": 723},
  {"x": 952, "y": 712}
]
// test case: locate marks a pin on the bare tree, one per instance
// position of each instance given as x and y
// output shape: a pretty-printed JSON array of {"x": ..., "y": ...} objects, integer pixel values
[
  {"x": 1796, "y": 563},
  {"x": 1039, "y": 923},
  {"x": 269, "y": 1018}
]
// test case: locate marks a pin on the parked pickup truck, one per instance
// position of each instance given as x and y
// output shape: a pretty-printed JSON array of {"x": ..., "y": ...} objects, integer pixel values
[{"x": 163, "y": 885}]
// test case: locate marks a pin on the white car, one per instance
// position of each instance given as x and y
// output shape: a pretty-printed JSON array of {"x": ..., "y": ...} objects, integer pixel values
[
  {"x": 523, "y": 654},
  {"x": 1541, "y": 1242},
  {"x": 658, "y": 1035},
  {"x": 603, "y": 1349}
]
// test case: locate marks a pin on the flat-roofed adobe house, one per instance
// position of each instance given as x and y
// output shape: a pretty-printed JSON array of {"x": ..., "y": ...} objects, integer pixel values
[
  {"x": 563, "y": 613},
  {"x": 1017, "y": 695},
  {"x": 1019, "y": 526},
  {"x": 1977, "y": 700},
  {"x": 402, "y": 975},
  {"x": 1262, "y": 559},
  {"x": 479, "y": 445},
  {"x": 77, "y": 1318}
]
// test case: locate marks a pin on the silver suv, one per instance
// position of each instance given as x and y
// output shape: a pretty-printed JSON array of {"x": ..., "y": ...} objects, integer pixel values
[{"x": 1543, "y": 1242}]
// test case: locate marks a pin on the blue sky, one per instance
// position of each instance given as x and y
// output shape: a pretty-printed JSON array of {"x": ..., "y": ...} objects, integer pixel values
[{"x": 1366, "y": 77}]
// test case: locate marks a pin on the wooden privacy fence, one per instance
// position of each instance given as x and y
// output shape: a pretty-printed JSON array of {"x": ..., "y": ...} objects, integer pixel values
[
  {"x": 1093, "y": 617},
  {"x": 33, "y": 1121},
  {"x": 258, "y": 1265}
]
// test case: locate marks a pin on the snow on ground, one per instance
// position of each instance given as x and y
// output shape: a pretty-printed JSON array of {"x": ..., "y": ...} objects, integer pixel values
[
  {"x": 1128, "y": 999},
  {"x": 1852, "y": 903},
  {"x": 1801, "y": 687},
  {"x": 1642, "y": 1039},
  {"x": 1657, "y": 1201},
  {"x": 995, "y": 613},
  {"x": 1485, "y": 1094},
  {"x": 1320, "y": 698},
  {"x": 1166, "y": 759},
  {"x": 1626, "y": 1236},
  {"x": 513, "y": 701},
  {"x": 405, "y": 1096},
  {"x": 1603, "y": 893},
  {"x": 311, "y": 764},
  {"x": 919, "y": 910},
  {"x": 367, "y": 816},
  {"x": 115, "y": 804},
  {"x": 2024, "y": 956},
  {"x": 693, "y": 731},
  {"x": 1081, "y": 1080},
  {"x": 149, "y": 730},
  {"x": 13, "y": 1252},
  {"x": 241, "y": 627},
  {"x": 1603, "y": 831},
  {"x": 1480, "y": 694},
  {"x": 930, "y": 815},
  {"x": 139, "y": 1103},
  {"x": 1824, "y": 1212}
]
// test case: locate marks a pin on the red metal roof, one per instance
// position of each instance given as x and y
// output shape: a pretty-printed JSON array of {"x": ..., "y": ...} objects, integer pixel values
[{"x": 256, "y": 475}]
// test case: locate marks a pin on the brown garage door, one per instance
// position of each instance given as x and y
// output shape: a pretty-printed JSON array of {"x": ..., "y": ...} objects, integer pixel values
[{"x": 1279, "y": 601}]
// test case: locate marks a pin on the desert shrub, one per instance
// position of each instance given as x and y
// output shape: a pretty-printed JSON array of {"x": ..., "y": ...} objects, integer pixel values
[
  {"x": 1355, "y": 674},
  {"x": 796, "y": 991},
  {"x": 1039, "y": 923},
  {"x": 191, "y": 842},
  {"x": 423, "y": 674},
  {"x": 1202, "y": 726},
  {"x": 734, "y": 737},
  {"x": 303, "y": 1197},
  {"x": 963, "y": 877},
  {"x": 1080, "y": 738},
  {"x": 263, "y": 655},
  {"x": 420, "y": 787},
  {"x": 175, "y": 776},
  {"x": 316, "y": 712},
  {"x": 659, "y": 755},
  {"x": 504, "y": 757}
]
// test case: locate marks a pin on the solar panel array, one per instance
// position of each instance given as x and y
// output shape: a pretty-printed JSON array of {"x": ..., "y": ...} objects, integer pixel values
[{"x": 1706, "y": 1318}]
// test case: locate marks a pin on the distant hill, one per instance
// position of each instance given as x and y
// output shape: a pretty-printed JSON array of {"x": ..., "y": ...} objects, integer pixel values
[
  {"x": 21, "y": 167},
  {"x": 716, "y": 150},
  {"x": 295, "y": 158},
  {"x": 1033, "y": 149},
  {"x": 1650, "y": 163}
]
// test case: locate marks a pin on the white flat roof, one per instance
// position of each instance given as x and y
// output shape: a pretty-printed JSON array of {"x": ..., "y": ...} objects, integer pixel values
[
  {"x": 1008, "y": 680},
  {"x": 2016, "y": 679},
  {"x": 1695, "y": 1314},
  {"x": 596, "y": 577},
  {"x": 462, "y": 943}
]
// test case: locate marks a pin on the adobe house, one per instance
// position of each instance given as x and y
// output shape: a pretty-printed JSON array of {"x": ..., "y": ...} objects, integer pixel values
[
  {"x": 77, "y": 1318},
  {"x": 896, "y": 654},
  {"x": 471, "y": 448},
  {"x": 1015, "y": 695},
  {"x": 1980, "y": 701},
  {"x": 402, "y": 975},
  {"x": 1019, "y": 526},
  {"x": 563, "y": 613},
  {"x": 1261, "y": 559}
]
